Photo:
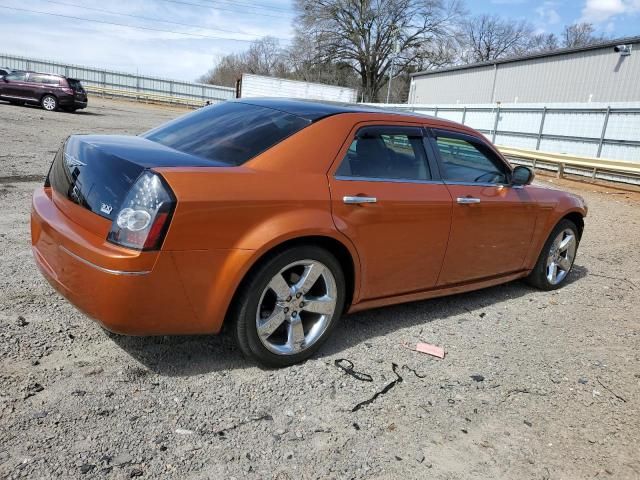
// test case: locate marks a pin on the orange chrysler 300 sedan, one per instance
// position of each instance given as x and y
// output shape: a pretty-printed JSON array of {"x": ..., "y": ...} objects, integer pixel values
[{"x": 275, "y": 216}]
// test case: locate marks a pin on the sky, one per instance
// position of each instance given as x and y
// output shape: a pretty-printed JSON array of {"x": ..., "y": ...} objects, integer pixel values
[{"x": 182, "y": 39}]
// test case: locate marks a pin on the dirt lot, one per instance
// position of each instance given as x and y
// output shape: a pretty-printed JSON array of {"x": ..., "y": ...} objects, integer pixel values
[{"x": 534, "y": 385}]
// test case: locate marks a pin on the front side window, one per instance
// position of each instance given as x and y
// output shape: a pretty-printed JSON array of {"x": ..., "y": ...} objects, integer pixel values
[
  {"x": 469, "y": 162},
  {"x": 230, "y": 132},
  {"x": 393, "y": 153},
  {"x": 17, "y": 77}
]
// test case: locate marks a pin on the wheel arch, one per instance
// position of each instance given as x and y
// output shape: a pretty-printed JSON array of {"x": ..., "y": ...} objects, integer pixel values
[
  {"x": 577, "y": 218},
  {"x": 51, "y": 95},
  {"x": 345, "y": 256}
]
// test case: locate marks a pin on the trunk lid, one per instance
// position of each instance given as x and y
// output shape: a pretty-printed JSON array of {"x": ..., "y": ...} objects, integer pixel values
[{"x": 97, "y": 171}]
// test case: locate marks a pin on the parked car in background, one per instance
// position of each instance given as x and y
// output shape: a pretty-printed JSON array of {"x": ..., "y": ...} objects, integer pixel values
[
  {"x": 276, "y": 216},
  {"x": 50, "y": 91},
  {"x": 5, "y": 71}
]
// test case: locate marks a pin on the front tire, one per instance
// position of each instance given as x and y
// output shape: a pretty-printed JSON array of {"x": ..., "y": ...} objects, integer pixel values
[
  {"x": 289, "y": 306},
  {"x": 556, "y": 258},
  {"x": 49, "y": 103}
]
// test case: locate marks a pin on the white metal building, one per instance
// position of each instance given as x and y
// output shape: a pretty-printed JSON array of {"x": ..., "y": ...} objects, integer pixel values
[{"x": 603, "y": 72}]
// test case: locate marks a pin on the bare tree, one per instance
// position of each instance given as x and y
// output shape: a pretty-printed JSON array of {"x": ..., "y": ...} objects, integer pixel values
[
  {"x": 543, "y": 42},
  {"x": 370, "y": 35},
  {"x": 489, "y": 37},
  {"x": 264, "y": 57},
  {"x": 305, "y": 63},
  {"x": 580, "y": 35}
]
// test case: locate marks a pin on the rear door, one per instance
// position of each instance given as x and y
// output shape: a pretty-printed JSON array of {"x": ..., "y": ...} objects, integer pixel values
[
  {"x": 492, "y": 222},
  {"x": 386, "y": 198}
]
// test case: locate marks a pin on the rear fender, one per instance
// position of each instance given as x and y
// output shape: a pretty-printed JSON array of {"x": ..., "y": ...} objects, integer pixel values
[{"x": 214, "y": 280}]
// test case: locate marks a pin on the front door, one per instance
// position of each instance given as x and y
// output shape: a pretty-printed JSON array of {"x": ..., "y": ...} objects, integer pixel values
[
  {"x": 15, "y": 86},
  {"x": 397, "y": 214},
  {"x": 492, "y": 222}
]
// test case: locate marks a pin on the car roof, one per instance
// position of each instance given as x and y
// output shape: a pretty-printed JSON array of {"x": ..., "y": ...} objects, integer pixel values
[
  {"x": 43, "y": 73},
  {"x": 313, "y": 110}
]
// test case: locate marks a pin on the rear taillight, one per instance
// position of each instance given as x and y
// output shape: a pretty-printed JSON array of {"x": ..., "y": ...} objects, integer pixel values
[
  {"x": 145, "y": 214},
  {"x": 68, "y": 90}
]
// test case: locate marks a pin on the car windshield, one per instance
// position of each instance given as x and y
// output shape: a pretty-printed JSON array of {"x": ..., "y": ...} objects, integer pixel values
[{"x": 230, "y": 132}]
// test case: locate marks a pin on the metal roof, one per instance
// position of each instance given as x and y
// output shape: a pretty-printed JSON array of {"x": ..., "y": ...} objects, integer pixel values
[{"x": 553, "y": 53}]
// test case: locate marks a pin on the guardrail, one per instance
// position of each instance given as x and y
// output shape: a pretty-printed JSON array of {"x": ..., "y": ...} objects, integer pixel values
[
  {"x": 146, "y": 97},
  {"x": 606, "y": 169}
]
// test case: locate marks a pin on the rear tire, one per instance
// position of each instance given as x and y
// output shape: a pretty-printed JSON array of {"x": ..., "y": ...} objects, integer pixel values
[
  {"x": 556, "y": 258},
  {"x": 49, "y": 103},
  {"x": 288, "y": 306}
]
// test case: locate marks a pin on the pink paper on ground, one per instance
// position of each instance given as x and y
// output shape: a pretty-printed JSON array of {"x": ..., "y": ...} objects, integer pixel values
[{"x": 430, "y": 349}]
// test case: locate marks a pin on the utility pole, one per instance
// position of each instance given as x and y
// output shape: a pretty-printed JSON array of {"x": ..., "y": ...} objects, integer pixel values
[{"x": 396, "y": 50}]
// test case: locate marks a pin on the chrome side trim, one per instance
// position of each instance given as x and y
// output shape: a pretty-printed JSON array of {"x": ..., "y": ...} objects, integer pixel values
[
  {"x": 392, "y": 180},
  {"x": 102, "y": 269}
]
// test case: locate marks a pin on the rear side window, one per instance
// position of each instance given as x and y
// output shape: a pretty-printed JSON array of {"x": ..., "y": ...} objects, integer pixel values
[
  {"x": 230, "y": 132},
  {"x": 386, "y": 153},
  {"x": 44, "y": 79}
]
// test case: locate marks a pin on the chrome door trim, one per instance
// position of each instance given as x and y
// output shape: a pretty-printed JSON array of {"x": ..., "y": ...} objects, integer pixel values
[
  {"x": 349, "y": 178},
  {"x": 476, "y": 184}
]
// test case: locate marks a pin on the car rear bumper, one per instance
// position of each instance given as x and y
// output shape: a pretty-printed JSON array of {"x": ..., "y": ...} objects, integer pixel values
[
  {"x": 69, "y": 101},
  {"x": 134, "y": 293}
]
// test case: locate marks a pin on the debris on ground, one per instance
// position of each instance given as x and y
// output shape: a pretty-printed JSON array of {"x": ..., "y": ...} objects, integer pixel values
[
  {"x": 386, "y": 389},
  {"x": 347, "y": 367},
  {"x": 427, "y": 348}
]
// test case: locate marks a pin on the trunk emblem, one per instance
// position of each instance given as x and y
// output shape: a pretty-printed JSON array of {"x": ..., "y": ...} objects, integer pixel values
[
  {"x": 106, "y": 208},
  {"x": 73, "y": 162}
]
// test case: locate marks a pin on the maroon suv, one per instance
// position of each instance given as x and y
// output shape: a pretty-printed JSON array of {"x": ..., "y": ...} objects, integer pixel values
[{"x": 45, "y": 89}]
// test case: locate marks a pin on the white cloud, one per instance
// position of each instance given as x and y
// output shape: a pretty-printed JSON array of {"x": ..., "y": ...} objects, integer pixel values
[
  {"x": 600, "y": 11},
  {"x": 547, "y": 13},
  {"x": 99, "y": 45}
]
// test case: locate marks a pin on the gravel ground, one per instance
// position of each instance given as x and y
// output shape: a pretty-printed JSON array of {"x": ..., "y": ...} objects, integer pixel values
[{"x": 534, "y": 385}]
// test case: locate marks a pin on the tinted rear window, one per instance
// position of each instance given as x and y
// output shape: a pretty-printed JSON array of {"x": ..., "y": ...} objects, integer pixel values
[
  {"x": 228, "y": 132},
  {"x": 74, "y": 84}
]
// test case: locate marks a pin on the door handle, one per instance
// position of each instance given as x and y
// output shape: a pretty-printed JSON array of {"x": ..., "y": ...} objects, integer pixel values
[
  {"x": 357, "y": 200},
  {"x": 467, "y": 200}
]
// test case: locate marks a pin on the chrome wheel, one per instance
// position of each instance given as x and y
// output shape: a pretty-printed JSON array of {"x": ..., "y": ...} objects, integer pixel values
[
  {"x": 560, "y": 256},
  {"x": 296, "y": 307},
  {"x": 49, "y": 103}
]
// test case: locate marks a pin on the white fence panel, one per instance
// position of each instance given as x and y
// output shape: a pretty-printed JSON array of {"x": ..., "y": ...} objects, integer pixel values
[
  {"x": 593, "y": 129},
  {"x": 197, "y": 92}
]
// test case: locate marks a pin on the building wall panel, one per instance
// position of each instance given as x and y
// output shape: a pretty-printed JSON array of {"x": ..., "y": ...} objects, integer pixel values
[
  {"x": 599, "y": 75},
  {"x": 467, "y": 86}
]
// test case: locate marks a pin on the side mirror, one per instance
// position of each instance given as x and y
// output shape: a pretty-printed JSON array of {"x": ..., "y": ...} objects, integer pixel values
[
  {"x": 522, "y": 176},
  {"x": 4, "y": 78}
]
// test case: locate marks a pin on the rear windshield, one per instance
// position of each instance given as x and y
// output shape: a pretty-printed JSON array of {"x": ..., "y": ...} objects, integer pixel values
[
  {"x": 230, "y": 132},
  {"x": 74, "y": 84}
]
